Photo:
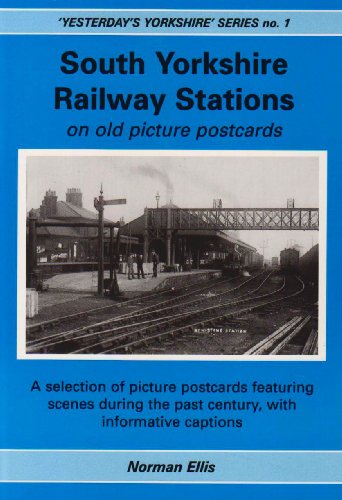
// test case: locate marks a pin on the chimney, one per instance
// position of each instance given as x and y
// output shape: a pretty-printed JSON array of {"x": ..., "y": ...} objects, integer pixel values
[
  {"x": 42, "y": 210},
  {"x": 74, "y": 196},
  {"x": 48, "y": 207}
]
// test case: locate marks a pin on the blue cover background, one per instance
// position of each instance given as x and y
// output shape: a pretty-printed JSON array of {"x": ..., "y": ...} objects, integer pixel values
[
  {"x": 176, "y": 4},
  {"x": 166, "y": 491},
  {"x": 28, "y": 74}
]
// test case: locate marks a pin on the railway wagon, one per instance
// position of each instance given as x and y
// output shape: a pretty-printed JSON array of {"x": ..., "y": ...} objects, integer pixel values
[
  {"x": 275, "y": 262},
  {"x": 308, "y": 266},
  {"x": 255, "y": 261},
  {"x": 289, "y": 260},
  {"x": 232, "y": 264}
]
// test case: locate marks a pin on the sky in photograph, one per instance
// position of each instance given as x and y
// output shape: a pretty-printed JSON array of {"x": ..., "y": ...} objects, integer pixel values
[{"x": 187, "y": 181}]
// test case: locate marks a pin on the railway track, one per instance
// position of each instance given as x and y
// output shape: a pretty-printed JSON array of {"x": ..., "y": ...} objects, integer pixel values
[
  {"x": 147, "y": 316},
  {"x": 278, "y": 340},
  {"x": 212, "y": 321},
  {"x": 189, "y": 290},
  {"x": 176, "y": 319}
]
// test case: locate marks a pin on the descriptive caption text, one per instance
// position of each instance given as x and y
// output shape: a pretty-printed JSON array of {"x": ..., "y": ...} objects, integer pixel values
[{"x": 145, "y": 404}]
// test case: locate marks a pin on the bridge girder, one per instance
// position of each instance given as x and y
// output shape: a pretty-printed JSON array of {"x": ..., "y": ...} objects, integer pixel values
[{"x": 234, "y": 219}]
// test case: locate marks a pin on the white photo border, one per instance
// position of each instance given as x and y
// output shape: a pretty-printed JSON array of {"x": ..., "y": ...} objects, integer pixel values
[{"x": 24, "y": 154}]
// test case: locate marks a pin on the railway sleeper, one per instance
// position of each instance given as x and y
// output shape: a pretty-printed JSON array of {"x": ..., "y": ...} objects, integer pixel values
[
  {"x": 105, "y": 344},
  {"x": 111, "y": 340},
  {"x": 290, "y": 336},
  {"x": 311, "y": 344},
  {"x": 87, "y": 341},
  {"x": 268, "y": 342}
]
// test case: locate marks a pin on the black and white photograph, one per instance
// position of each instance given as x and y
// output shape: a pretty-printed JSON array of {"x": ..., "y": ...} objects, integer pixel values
[{"x": 216, "y": 255}]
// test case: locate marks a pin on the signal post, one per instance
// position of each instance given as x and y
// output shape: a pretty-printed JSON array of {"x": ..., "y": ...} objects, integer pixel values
[{"x": 99, "y": 204}]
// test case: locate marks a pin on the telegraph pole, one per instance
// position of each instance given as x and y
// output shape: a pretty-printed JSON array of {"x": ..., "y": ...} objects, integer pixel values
[
  {"x": 264, "y": 245},
  {"x": 99, "y": 204}
]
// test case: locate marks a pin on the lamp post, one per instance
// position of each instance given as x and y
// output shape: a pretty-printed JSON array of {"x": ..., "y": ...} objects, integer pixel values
[{"x": 157, "y": 198}]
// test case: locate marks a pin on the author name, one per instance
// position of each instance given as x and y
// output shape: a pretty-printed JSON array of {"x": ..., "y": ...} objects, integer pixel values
[{"x": 192, "y": 466}]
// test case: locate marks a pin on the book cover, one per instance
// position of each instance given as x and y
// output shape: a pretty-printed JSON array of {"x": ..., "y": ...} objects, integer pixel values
[{"x": 170, "y": 282}]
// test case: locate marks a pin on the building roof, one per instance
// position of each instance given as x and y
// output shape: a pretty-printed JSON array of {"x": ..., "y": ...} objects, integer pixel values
[
  {"x": 169, "y": 205},
  {"x": 225, "y": 235},
  {"x": 66, "y": 210},
  {"x": 134, "y": 227}
]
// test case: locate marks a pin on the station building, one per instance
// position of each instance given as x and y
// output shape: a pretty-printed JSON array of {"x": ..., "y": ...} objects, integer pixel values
[
  {"x": 76, "y": 248},
  {"x": 70, "y": 244},
  {"x": 194, "y": 248}
]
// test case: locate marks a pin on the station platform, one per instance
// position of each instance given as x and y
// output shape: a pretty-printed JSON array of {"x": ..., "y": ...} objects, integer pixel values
[
  {"x": 76, "y": 292},
  {"x": 86, "y": 282}
]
